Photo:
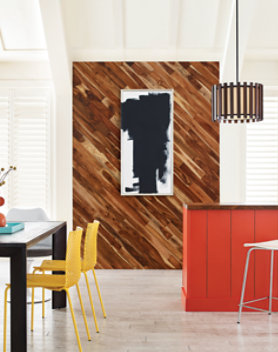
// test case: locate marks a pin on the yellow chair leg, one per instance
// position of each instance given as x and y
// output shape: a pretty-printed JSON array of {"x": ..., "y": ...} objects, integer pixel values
[
  {"x": 91, "y": 301},
  {"x": 83, "y": 312},
  {"x": 32, "y": 309},
  {"x": 43, "y": 300},
  {"x": 74, "y": 321},
  {"x": 43, "y": 294},
  {"x": 43, "y": 303},
  {"x": 99, "y": 295},
  {"x": 5, "y": 320}
]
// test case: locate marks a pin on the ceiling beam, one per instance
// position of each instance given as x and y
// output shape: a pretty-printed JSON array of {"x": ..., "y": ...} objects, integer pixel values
[
  {"x": 182, "y": 54},
  {"x": 26, "y": 54},
  {"x": 23, "y": 55},
  {"x": 61, "y": 69},
  {"x": 59, "y": 60},
  {"x": 120, "y": 24},
  {"x": 247, "y": 11},
  {"x": 227, "y": 63},
  {"x": 175, "y": 24},
  {"x": 259, "y": 54}
]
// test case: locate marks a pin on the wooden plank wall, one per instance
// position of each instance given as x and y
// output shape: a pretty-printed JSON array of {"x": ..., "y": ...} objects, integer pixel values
[{"x": 141, "y": 232}]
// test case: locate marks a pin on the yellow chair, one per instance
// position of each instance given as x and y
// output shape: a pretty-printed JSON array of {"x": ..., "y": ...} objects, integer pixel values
[
  {"x": 88, "y": 262},
  {"x": 43, "y": 289},
  {"x": 58, "y": 283}
]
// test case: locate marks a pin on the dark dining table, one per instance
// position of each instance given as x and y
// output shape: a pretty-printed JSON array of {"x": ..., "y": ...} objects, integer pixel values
[{"x": 15, "y": 247}]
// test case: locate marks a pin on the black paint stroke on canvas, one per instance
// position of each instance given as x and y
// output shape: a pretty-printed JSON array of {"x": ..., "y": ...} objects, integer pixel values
[{"x": 147, "y": 120}]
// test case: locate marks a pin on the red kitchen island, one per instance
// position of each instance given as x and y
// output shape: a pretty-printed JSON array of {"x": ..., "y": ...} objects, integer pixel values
[{"x": 214, "y": 256}]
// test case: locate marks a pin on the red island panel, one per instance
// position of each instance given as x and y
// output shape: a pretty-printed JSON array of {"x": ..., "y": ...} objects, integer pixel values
[{"x": 214, "y": 256}]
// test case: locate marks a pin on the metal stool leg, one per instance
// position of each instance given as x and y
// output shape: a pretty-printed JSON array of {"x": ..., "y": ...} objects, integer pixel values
[
  {"x": 244, "y": 283},
  {"x": 271, "y": 283}
]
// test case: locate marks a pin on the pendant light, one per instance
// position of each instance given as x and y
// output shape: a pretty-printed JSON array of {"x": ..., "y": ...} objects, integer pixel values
[{"x": 237, "y": 102}]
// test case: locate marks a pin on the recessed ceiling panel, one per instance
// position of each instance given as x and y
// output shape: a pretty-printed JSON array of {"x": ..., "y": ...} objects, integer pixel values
[
  {"x": 264, "y": 33},
  {"x": 198, "y": 23},
  {"x": 21, "y": 25},
  {"x": 147, "y": 23},
  {"x": 90, "y": 24}
]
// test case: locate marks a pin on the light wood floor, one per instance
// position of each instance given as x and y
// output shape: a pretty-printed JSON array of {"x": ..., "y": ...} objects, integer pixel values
[{"x": 145, "y": 314}]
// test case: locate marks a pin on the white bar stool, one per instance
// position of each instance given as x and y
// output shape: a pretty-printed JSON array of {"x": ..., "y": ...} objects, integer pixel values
[{"x": 268, "y": 246}]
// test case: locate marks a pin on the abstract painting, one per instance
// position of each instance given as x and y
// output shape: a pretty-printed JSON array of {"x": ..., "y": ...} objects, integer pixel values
[{"x": 146, "y": 142}]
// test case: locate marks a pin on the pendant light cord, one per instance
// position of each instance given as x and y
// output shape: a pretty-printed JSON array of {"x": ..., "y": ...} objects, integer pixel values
[{"x": 237, "y": 48}]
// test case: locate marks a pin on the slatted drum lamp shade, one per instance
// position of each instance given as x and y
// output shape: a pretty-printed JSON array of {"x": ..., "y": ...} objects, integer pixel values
[{"x": 239, "y": 102}]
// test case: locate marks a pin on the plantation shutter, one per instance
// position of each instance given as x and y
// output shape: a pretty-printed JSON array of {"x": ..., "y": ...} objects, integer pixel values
[
  {"x": 262, "y": 156},
  {"x": 4, "y": 135},
  {"x": 26, "y": 144}
]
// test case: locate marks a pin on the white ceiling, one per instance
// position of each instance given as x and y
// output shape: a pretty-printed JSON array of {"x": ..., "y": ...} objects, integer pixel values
[
  {"x": 99, "y": 28},
  {"x": 143, "y": 24},
  {"x": 264, "y": 34},
  {"x": 21, "y": 26}
]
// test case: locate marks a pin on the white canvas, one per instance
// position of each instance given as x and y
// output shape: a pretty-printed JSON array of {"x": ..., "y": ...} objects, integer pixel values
[{"x": 147, "y": 170}]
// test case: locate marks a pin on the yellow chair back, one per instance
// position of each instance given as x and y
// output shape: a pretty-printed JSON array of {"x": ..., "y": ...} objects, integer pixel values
[
  {"x": 73, "y": 261},
  {"x": 90, "y": 246}
]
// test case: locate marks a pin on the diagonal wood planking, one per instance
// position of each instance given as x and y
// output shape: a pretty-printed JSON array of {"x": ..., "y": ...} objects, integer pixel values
[{"x": 141, "y": 232}]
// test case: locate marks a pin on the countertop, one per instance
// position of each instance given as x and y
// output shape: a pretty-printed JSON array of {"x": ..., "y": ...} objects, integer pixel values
[{"x": 228, "y": 206}]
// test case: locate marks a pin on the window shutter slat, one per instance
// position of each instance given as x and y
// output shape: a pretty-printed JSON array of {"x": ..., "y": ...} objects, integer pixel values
[
  {"x": 25, "y": 143},
  {"x": 262, "y": 156}
]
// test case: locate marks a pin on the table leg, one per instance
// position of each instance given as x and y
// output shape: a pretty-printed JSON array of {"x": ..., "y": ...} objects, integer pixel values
[
  {"x": 59, "y": 244},
  {"x": 18, "y": 300}
]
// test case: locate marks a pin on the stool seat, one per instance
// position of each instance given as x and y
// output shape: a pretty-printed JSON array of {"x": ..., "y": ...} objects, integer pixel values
[{"x": 264, "y": 245}]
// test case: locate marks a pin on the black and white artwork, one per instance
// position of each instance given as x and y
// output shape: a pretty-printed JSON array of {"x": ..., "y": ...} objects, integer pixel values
[{"x": 146, "y": 142}]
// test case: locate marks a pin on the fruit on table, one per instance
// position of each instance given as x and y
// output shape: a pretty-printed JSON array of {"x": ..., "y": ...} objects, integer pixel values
[
  {"x": 2, "y": 220},
  {"x": 2, "y": 201}
]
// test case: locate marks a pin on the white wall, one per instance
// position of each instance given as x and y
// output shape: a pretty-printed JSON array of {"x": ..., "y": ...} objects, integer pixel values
[
  {"x": 39, "y": 74},
  {"x": 232, "y": 137}
]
